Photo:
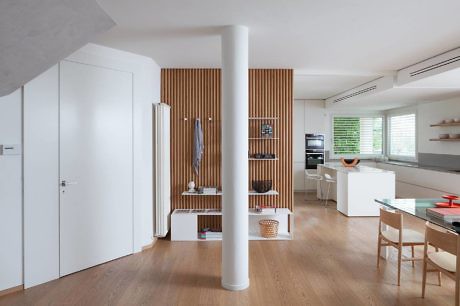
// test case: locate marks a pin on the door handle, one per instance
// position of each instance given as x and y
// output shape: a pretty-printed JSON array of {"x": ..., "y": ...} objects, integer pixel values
[{"x": 65, "y": 183}]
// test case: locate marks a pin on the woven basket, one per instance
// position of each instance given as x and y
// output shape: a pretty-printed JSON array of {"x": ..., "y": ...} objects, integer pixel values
[{"x": 269, "y": 228}]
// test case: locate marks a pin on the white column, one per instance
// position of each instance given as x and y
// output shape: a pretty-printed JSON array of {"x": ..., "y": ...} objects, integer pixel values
[{"x": 235, "y": 167}]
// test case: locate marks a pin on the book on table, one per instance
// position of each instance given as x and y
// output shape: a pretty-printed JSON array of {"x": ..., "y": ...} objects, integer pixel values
[{"x": 446, "y": 214}]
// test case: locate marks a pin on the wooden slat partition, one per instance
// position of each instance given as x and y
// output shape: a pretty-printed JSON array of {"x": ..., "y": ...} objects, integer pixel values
[{"x": 196, "y": 93}]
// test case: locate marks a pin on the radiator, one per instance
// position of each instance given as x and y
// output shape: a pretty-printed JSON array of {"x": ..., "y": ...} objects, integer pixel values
[{"x": 162, "y": 169}]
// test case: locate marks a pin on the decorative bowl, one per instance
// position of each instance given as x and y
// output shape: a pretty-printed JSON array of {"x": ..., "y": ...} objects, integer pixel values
[
  {"x": 443, "y": 136},
  {"x": 262, "y": 186}
]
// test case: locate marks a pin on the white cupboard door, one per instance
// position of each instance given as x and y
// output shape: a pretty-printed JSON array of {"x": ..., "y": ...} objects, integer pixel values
[{"x": 96, "y": 166}]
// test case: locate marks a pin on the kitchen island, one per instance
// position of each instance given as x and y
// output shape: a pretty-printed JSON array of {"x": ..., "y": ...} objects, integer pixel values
[{"x": 356, "y": 188}]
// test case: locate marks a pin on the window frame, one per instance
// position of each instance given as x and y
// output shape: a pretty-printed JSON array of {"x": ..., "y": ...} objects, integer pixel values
[
  {"x": 410, "y": 111},
  {"x": 361, "y": 156}
]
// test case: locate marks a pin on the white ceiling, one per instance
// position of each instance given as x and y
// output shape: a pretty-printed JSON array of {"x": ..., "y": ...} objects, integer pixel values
[{"x": 332, "y": 45}]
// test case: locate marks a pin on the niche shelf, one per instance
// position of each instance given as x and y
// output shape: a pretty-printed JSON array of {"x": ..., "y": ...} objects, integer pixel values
[
  {"x": 446, "y": 139},
  {"x": 446, "y": 124}
]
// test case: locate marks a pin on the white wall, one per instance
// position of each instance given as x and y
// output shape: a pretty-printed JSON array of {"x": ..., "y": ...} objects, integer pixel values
[
  {"x": 10, "y": 193},
  {"x": 431, "y": 113},
  {"x": 41, "y": 178},
  {"x": 41, "y": 156}
]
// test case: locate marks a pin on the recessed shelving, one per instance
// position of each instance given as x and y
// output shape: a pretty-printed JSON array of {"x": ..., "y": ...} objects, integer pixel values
[
  {"x": 263, "y": 159},
  {"x": 219, "y": 193}
]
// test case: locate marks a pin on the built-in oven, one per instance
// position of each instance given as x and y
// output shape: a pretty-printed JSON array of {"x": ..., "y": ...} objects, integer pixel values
[
  {"x": 314, "y": 142},
  {"x": 313, "y": 158}
]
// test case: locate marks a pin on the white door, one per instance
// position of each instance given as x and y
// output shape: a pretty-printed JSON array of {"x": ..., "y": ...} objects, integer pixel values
[{"x": 96, "y": 166}]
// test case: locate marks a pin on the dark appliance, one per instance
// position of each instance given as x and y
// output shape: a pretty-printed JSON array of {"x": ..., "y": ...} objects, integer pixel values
[
  {"x": 314, "y": 142},
  {"x": 314, "y": 150}
]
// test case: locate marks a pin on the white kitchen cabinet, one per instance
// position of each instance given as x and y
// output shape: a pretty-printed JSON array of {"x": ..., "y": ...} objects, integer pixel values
[{"x": 299, "y": 176}]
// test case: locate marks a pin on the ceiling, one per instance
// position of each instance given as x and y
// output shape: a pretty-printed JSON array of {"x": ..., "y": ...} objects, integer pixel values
[{"x": 333, "y": 45}]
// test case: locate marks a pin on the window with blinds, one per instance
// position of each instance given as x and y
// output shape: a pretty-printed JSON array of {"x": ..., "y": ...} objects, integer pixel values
[
  {"x": 357, "y": 135},
  {"x": 402, "y": 134}
]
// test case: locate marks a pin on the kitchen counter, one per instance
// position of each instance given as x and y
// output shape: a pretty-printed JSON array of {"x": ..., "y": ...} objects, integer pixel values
[
  {"x": 416, "y": 165},
  {"x": 357, "y": 188},
  {"x": 358, "y": 169}
]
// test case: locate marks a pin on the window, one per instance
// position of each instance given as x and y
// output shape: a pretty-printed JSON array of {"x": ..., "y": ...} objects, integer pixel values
[
  {"x": 401, "y": 134},
  {"x": 357, "y": 136}
]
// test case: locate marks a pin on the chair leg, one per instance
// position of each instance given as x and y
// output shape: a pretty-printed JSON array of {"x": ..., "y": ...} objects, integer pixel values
[
  {"x": 399, "y": 264},
  {"x": 327, "y": 195},
  {"x": 379, "y": 248},
  {"x": 439, "y": 272},
  {"x": 424, "y": 277},
  {"x": 412, "y": 251}
]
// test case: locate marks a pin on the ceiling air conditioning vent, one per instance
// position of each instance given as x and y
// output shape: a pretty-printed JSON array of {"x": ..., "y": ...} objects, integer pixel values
[
  {"x": 435, "y": 66},
  {"x": 366, "y": 89},
  {"x": 431, "y": 67},
  {"x": 356, "y": 93}
]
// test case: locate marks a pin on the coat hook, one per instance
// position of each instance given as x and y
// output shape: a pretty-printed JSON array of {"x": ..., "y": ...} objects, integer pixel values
[
  {"x": 209, "y": 119},
  {"x": 185, "y": 119}
]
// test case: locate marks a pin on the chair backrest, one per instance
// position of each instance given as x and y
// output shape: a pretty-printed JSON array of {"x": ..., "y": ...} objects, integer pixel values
[
  {"x": 393, "y": 219},
  {"x": 441, "y": 238}
]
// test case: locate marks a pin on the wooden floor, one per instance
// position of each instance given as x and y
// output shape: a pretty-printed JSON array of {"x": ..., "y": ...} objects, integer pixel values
[{"x": 332, "y": 261}]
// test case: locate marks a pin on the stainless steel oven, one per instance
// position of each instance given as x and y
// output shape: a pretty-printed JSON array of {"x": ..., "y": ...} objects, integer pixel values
[
  {"x": 314, "y": 142},
  {"x": 313, "y": 158}
]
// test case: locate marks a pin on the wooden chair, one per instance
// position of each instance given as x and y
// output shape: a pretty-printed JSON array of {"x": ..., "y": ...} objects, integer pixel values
[
  {"x": 445, "y": 261},
  {"x": 397, "y": 237}
]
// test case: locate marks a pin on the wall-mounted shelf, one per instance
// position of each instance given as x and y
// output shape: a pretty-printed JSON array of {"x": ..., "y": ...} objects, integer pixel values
[
  {"x": 263, "y": 138},
  {"x": 270, "y": 192},
  {"x": 263, "y": 118},
  {"x": 188, "y": 193},
  {"x": 446, "y": 139},
  {"x": 446, "y": 124},
  {"x": 263, "y": 158},
  {"x": 219, "y": 193}
]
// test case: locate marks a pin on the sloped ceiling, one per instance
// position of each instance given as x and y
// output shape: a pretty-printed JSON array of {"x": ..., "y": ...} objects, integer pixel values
[{"x": 35, "y": 35}]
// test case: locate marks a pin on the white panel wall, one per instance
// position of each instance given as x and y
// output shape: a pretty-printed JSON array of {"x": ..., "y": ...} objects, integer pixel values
[
  {"x": 41, "y": 210},
  {"x": 298, "y": 143},
  {"x": 41, "y": 178},
  {"x": 10, "y": 193}
]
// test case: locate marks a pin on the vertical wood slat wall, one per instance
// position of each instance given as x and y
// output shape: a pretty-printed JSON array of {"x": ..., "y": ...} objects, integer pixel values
[{"x": 196, "y": 93}]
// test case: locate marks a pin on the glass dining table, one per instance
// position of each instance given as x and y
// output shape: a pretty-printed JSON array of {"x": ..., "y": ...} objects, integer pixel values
[{"x": 417, "y": 208}]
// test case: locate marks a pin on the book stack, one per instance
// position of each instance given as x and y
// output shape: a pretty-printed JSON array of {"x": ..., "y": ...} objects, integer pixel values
[
  {"x": 210, "y": 235},
  {"x": 446, "y": 214}
]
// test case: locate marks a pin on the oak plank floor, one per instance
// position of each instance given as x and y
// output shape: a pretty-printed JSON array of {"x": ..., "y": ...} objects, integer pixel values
[{"x": 332, "y": 261}]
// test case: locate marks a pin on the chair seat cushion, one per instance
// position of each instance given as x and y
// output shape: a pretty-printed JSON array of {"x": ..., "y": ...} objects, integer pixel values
[
  {"x": 445, "y": 260},
  {"x": 408, "y": 236}
]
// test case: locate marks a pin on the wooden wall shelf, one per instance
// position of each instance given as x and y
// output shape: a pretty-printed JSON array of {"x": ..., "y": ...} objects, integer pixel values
[
  {"x": 263, "y": 138},
  {"x": 447, "y": 139},
  {"x": 263, "y": 118},
  {"x": 446, "y": 124},
  {"x": 265, "y": 159}
]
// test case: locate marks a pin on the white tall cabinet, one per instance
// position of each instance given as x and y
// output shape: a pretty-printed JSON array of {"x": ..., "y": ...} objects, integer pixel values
[{"x": 309, "y": 116}]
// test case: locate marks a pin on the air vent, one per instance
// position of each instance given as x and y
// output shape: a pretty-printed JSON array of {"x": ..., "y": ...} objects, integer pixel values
[
  {"x": 359, "y": 92},
  {"x": 356, "y": 93},
  {"x": 435, "y": 66},
  {"x": 430, "y": 67}
]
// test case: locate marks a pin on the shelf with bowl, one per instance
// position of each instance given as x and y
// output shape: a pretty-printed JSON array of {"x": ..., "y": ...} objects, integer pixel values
[
  {"x": 445, "y": 124},
  {"x": 445, "y": 139},
  {"x": 195, "y": 193},
  {"x": 270, "y": 192},
  {"x": 251, "y": 158}
]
